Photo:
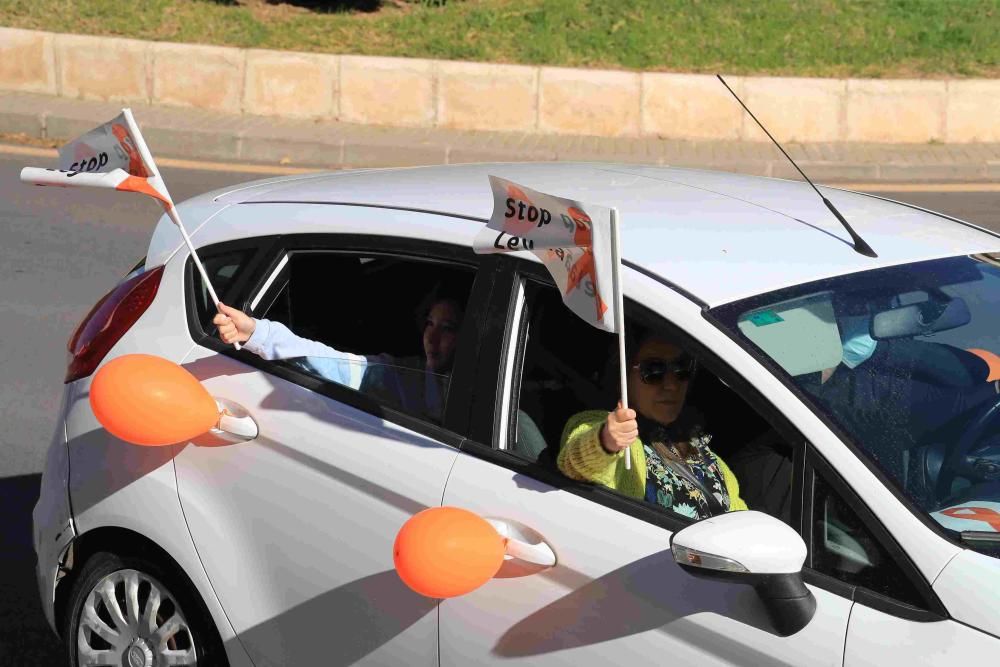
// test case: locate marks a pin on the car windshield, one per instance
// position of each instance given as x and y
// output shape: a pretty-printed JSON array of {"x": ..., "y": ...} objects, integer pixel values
[{"x": 905, "y": 362}]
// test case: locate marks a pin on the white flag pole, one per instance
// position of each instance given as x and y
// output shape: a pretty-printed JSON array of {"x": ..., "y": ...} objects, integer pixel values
[
  {"x": 157, "y": 182},
  {"x": 616, "y": 286}
]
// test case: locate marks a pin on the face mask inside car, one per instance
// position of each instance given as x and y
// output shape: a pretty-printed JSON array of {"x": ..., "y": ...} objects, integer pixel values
[{"x": 859, "y": 346}]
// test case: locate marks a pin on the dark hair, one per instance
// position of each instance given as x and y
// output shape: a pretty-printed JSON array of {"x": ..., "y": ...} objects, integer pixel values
[
  {"x": 635, "y": 336},
  {"x": 441, "y": 291}
]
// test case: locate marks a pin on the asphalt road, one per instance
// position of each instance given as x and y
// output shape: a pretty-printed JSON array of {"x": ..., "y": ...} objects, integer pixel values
[{"x": 60, "y": 251}]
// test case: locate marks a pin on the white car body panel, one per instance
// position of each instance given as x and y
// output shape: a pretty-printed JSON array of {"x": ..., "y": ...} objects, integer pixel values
[
  {"x": 875, "y": 639},
  {"x": 615, "y": 595},
  {"x": 968, "y": 588},
  {"x": 51, "y": 518},
  {"x": 167, "y": 239},
  {"x": 318, "y": 219},
  {"x": 117, "y": 484},
  {"x": 296, "y": 527},
  {"x": 722, "y": 226}
]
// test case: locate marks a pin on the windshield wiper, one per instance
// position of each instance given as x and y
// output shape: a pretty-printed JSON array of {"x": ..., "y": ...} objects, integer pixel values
[{"x": 980, "y": 538}]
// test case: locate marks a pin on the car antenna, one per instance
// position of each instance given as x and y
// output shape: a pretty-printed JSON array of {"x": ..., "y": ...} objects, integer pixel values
[{"x": 859, "y": 243}]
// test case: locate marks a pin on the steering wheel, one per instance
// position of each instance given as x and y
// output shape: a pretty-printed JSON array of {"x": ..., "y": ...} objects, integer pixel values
[{"x": 953, "y": 460}]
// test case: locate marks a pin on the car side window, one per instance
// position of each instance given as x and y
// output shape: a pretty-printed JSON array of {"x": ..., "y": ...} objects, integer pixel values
[
  {"x": 222, "y": 269},
  {"x": 382, "y": 325},
  {"x": 566, "y": 379},
  {"x": 843, "y": 547}
]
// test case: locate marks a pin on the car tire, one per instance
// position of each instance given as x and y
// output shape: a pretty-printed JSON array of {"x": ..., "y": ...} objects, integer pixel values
[{"x": 130, "y": 610}]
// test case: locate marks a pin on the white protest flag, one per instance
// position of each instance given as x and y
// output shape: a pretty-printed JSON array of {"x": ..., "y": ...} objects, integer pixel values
[
  {"x": 577, "y": 242},
  {"x": 572, "y": 239},
  {"x": 108, "y": 156},
  {"x": 114, "y": 155}
]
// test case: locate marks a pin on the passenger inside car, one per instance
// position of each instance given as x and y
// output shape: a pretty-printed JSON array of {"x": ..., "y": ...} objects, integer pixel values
[
  {"x": 416, "y": 385},
  {"x": 899, "y": 392},
  {"x": 672, "y": 464}
]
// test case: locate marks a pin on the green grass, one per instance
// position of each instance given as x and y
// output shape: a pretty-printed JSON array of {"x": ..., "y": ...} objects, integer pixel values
[{"x": 870, "y": 38}]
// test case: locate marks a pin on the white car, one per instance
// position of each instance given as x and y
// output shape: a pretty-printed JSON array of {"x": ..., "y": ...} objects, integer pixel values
[{"x": 855, "y": 398}]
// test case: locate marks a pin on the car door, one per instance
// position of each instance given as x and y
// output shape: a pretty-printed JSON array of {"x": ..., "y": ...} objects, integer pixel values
[
  {"x": 896, "y": 617},
  {"x": 615, "y": 595},
  {"x": 295, "y": 527}
]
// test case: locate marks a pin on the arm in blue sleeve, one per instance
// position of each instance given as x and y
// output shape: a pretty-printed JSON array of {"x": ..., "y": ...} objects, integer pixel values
[{"x": 273, "y": 340}]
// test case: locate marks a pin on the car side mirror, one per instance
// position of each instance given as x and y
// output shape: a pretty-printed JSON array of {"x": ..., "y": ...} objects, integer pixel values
[{"x": 756, "y": 549}]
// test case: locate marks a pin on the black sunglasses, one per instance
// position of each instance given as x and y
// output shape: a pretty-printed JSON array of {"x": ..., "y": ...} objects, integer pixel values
[{"x": 652, "y": 371}]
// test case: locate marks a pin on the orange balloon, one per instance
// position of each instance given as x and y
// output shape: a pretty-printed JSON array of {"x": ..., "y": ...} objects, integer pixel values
[
  {"x": 147, "y": 400},
  {"x": 442, "y": 552}
]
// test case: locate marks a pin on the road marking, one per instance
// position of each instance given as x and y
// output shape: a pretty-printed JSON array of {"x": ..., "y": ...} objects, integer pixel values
[
  {"x": 282, "y": 171},
  {"x": 51, "y": 153}
]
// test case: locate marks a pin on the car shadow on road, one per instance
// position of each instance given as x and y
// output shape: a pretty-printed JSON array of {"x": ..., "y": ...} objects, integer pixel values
[{"x": 25, "y": 636}]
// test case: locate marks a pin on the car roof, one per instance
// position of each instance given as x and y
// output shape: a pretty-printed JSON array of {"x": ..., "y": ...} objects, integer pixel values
[{"x": 718, "y": 236}]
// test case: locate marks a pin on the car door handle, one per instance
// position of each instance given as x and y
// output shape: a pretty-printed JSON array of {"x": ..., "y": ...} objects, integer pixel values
[
  {"x": 536, "y": 554},
  {"x": 234, "y": 421}
]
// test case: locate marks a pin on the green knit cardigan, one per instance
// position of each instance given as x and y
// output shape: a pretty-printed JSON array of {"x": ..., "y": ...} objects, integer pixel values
[{"x": 582, "y": 457}]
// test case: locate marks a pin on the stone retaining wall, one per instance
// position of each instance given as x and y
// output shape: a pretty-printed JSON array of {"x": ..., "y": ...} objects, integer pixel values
[{"x": 407, "y": 92}]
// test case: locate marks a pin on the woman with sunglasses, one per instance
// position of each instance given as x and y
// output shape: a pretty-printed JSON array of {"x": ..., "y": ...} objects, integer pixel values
[{"x": 672, "y": 465}]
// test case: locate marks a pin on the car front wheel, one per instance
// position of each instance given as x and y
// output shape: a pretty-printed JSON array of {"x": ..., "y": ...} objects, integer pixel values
[{"x": 128, "y": 610}]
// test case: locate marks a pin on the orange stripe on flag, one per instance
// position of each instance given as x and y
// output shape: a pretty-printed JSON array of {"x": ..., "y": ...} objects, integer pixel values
[
  {"x": 125, "y": 140},
  {"x": 991, "y": 359},
  {"x": 584, "y": 266},
  {"x": 142, "y": 186},
  {"x": 581, "y": 234},
  {"x": 986, "y": 514}
]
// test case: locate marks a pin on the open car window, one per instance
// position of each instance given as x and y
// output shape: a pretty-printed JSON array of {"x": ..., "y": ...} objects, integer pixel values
[
  {"x": 384, "y": 326},
  {"x": 565, "y": 368}
]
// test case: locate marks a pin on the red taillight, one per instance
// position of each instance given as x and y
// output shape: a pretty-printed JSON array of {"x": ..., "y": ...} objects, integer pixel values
[{"x": 108, "y": 321}]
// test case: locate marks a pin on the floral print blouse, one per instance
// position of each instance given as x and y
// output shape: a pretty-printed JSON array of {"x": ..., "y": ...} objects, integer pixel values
[{"x": 667, "y": 484}]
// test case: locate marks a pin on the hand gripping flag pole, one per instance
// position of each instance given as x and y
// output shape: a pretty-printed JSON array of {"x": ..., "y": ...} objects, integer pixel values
[
  {"x": 115, "y": 156},
  {"x": 578, "y": 243}
]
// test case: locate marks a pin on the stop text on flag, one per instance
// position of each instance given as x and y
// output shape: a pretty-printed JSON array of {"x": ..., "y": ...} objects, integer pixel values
[
  {"x": 521, "y": 211},
  {"x": 95, "y": 163}
]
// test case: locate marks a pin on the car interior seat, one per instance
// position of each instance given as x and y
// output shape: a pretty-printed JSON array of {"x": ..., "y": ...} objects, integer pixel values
[
  {"x": 730, "y": 420},
  {"x": 320, "y": 308},
  {"x": 560, "y": 376},
  {"x": 529, "y": 441}
]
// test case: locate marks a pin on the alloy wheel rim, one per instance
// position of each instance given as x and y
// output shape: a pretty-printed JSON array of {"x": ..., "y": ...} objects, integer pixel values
[{"x": 130, "y": 619}]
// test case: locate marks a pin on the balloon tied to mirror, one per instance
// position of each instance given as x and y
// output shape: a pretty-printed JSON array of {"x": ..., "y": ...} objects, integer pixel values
[{"x": 147, "y": 400}]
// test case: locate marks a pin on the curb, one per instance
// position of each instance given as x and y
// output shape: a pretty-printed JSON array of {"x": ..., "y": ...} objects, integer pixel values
[
  {"x": 495, "y": 97},
  {"x": 204, "y": 135}
]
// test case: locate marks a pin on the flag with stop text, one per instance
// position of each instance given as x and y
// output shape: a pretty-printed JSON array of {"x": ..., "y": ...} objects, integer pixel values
[
  {"x": 578, "y": 243},
  {"x": 575, "y": 241},
  {"x": 114, "y": 155}
]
